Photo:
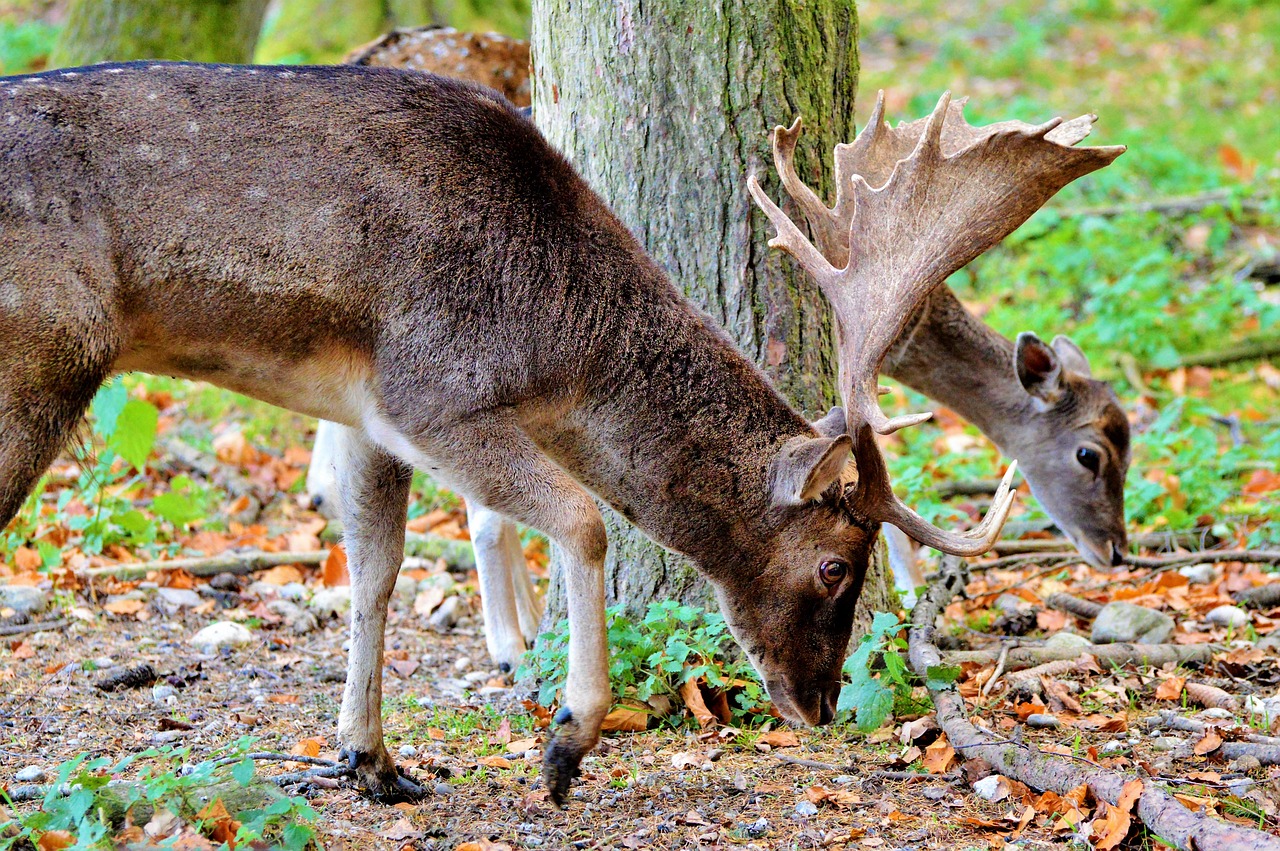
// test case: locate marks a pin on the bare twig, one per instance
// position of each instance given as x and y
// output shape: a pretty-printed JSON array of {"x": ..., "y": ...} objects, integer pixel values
[
  {"x": 1247, "y": 350},
  {"x": 1153, "y": 655},
  {"x": 1170, "y": 720},
  {"x": 41, "y": 626},
  {"x": 1174, "y": 206},
  {"x": 1086, "y": 609},
  {"x": 238, "y": 563},
  {"x": 1211, "y": 556},
  {"x": 811, "y": 763},
  {"x": 995, "y": 675},
  {"x": 1163, "y": 814}
]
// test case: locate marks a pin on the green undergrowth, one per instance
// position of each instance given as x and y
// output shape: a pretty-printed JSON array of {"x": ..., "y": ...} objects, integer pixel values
[{"x": 93, "y": 800}]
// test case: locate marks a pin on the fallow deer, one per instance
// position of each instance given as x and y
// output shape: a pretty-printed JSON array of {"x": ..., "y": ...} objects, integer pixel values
[
  {"x": 1038, "y": 403},
  {"x": 405, "y": 255}
]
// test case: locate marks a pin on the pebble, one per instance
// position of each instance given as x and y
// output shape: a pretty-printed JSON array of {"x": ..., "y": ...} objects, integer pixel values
[
  {"x": 1112, "y": 747},
  {"x": 294, "y": 591},
  {"x": 473, "y": 677},
  {"x": 225, "y": 582},
  {"x": 30, "y": 774},
  {"x": 406, "y": 589},
  {"x": 408, "y": 751},
  {"x": 331, "y": 602},
  {"x": 987, "y": 788},
  {"x": 295, "y": 617},
  {"x": 1009, "y": 603},
  {"x": 262, "y": 590},
  {"x": 1121, "y": 621},
  {"x": 1216, "y": 713},
  {"x": 1066, "y": 641},
  {"x": 806, "y": 808},
  {"x": 759, "y": 827},
  {"x": 1199, "y": 574},
  {"x": 1228, "y": 616},
  {"x": 493, "y": 692},
  {"x": 937, "y": 793},
  {"x": 1245, "y": 763},
  {"x": 444, "y": 789},
  {"x": 1043, "y": 720},
  {"x": 161, "y": 692},
  {"x": 462, "y": 663},
  {"x": 1166, "y": 743},
  {"x": 445, "y": 617},
  {"x": 179, "y": 598},
  {"x": 220, "y": 634}
]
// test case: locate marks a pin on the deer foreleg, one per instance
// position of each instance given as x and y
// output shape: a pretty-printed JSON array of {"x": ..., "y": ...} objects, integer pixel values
[
  {"x": 373, "y": 490},
  {"x": 492, "y": 536}
]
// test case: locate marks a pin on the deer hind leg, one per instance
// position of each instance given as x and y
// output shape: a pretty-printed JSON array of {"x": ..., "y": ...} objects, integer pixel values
[
  {"x": 491, "y": 535},
  {"x": 373, "y": 490},
  {"x": 493, "y": 463},
  {"x": 528, "y": 602},
  {"x": 322, "y": 474}
]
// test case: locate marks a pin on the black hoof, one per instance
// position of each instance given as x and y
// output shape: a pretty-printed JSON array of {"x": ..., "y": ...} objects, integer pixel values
[
  {"x": 398, "y": 790},
  {"x": 385, "y": 784},
  {"x": 560, "y": 767},
  {"x": 504, "y": 667}
]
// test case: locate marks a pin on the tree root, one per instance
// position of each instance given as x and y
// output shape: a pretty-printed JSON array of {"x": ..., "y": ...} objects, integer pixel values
[
  {"x": 1161, "y": 812},
  {"x": 1086, "y": 609},
  {"x": 41, "y": 626},
  {"x": 1135, "y": 654},
  {"x": 1262, "y": 597},
  {"x": 1265, "y": 749}
]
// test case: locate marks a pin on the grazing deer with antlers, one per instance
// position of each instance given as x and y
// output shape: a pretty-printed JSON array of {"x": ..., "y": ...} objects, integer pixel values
[
  {"x": 1037, "y": 403},
  {"x": 405, "y": 255}
]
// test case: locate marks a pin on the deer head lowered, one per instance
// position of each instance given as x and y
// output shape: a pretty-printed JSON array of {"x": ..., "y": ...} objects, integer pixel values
[{"x": 154, "y": 218}]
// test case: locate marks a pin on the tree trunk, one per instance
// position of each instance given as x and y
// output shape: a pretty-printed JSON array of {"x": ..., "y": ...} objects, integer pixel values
[
  {"x": 193, "y": 30},
  {"x": 665, "y": 109}
]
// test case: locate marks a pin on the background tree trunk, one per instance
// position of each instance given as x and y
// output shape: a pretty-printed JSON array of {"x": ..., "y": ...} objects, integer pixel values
[
  {"x": 192, "y": 30},
  {"x": 665, "y": 109}
]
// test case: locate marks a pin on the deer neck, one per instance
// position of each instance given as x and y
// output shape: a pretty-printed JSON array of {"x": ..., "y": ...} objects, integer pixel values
[{"x": 951, "y": 356}]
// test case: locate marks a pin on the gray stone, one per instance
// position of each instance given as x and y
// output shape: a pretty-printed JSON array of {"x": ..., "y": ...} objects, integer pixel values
[
  {"x": 263, "y": 590},
  {"x": 408, "y": 751},
  {"x": 406, "y": 589},
  {"x": 225, "y": 582},
  {"x": 492, "y": 693},
  {"x": 161, "y": 692},
  {"x": 1166, "y": 743},
  {"x": 1043, "y": 721},
  {"x": 806, "y": 808},
  {"x": 179, "y": 598},
  {"x": 296, "y": 618},
  {"x": 1199, "y": 574},
  {"x": 1245, "y": 763},
  {"x": 444, "y": 789},
  {"x": 987, "y": 788},
  {"x": 474, "y": 677},
  {"x": 30, "y": 774},
  {"x": 1112, "y": 747},
  {"x": 220, "y": 634},
  {"x": 445, "y": 617},
  {"x": 1122, "y": 621},
  {"x": 1010, "y": 603},
  {"x": 1228, "y": 616},
  {"x": 935, "y": 793},
  {"x": 758, "y": 828},
  {"x": 294, "y": 591},
  {"x": 1066, "y": 641},
  {"x": 331, "y": 602}
]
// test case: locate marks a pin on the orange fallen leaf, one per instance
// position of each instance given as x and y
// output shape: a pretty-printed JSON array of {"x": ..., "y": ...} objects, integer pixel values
[
  {"x": 307, "y": 747},
  {"x": 124, "y": 607},
  {"x": 334, "y": 571},
  {"x": 27, "y": 560},
  {"x": 55, "y": 840},
  {"x": 626, "y": 719},
  {"x": 938, "y": 756},
  {"x": 282, "y": 574},
  {"x": 780, "y": 739},
  {"x": 24, "y": 651},
  {"x": 494, "y": 761},
  {"x": 1210, "y": 743},
  {"x": 521, "y": 745},
  {"x": 692, "y": 697},
  {"x": 218, "y": 823},
  {"x": 428, "y": 600},
  {"x": 1113, "y": 827},
  {"x": 284, "y": 699},
  {"x": 1170, "y": 689}
]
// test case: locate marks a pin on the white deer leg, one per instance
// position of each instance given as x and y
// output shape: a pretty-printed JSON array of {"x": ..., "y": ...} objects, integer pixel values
[
  {"x": 491, "y": 534},
  {"x": 907, "y": 576},
  {"x": 323, "y": 474},
  {"x": 528, "y": 603},
  {"x": 374, "y": 494}
]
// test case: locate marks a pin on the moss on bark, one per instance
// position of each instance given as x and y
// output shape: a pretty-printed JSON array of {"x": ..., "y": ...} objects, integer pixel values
[{"x": 193, "y": 30}]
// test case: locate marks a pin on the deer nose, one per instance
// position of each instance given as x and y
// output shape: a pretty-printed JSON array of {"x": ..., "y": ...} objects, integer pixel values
[
  {"x": 1117, "y": 555},
  {"x": 827, "y": 704}
]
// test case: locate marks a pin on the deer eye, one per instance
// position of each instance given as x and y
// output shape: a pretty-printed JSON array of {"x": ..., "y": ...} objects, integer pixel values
[
  {"x": 832, "y": 572},
  {"x": 1089, "y": 459}
]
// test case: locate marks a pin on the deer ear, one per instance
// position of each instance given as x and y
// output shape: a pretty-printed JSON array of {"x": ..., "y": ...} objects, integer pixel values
[
  {"x": 833, "y": 424},
  {"x": 807, "y": 466},
  {"x": 1072, "y": 356},
  {"x": 1038, "y": 367}
]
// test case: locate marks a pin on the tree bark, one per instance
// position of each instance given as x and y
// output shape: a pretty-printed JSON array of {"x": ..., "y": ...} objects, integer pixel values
[
  {"x": 665, "y": 109},
  {"x": 194, "y": 31}
]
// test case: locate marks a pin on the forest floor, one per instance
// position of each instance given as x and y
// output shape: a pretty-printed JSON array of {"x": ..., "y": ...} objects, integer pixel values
[{"x": 177, "y": 471}]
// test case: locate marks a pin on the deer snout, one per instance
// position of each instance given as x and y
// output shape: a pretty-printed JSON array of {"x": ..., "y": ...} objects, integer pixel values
[{"x": 812, "y": 702}]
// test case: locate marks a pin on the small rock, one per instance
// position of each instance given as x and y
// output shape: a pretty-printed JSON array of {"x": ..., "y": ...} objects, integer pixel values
[
  {"x": 30, "y": 774},
  {"x": 1066, "y": 641},
  {"x": 845, "y": 779},
  {"x": 445, "y": 617},
  {"x": 406, "y": 589},
  {"x": 806, "y": 808},
  {"x": 1112, "y": 747},
  {"x": 1121, "y": 621},
  {"x": 758, "y": 828},
  {"x": 331, "y": 602},
  {"x": 1216, "y": 713},
  {"x": 161, "y": 692},
  {"x": 987, "y": 788},
  {"x": 220, "y": 634},
  {"x": 407, "y": 751},
  {"x": 936, "y": 793},
  {"x": 1165, "y": 743},
  {"x": 1043, "y": 721},
  {"x": 461, "y": 663},
  {"x": 179, "y": 598},
  {"x": 1245, "y": 763},
  {"x": 225, "y": 582},
  {"x": 1009, "y": 603},
  {"x": 491, "y": 693},
  {"x": 295, "y": 617},
  {"x": 444, "y": 789},
  {"x": 294, "y": 591},
  {"x": 473, "y": 677},
  {"x": 263, "y": 590},
  {"x": 1199, "y": 574},
  {"x": 1228, "y": 616}
]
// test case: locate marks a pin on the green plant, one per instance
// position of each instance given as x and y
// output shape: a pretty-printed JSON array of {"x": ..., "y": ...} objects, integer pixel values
[
  {"x": 671, "y": 645},
  {"x": 84, "y": 803},
  {"x": 879, "y": 681}
]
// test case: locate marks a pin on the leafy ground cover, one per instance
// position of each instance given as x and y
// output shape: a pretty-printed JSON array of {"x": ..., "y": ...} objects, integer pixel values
[{"x": 693, "y": 757}]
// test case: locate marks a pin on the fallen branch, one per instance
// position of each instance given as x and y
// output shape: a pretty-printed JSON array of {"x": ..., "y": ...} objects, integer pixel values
[
  {"x": 1163, "y": 814},
  {"x": 1086, "y": 609},
  {"x": 41, "y": 626},
  {"x": 1262, "y": 597},
  {"x": 1173, "y": 206},
  {"x": 1206, "y": 556},
  {"x": 1247, "y": 350},
  {"x": 811, "y": 763},
  {"x": 1052, "y": 558},
  {"x": 1170, "y": 720},
  {"x": 1153, "y": 655}
]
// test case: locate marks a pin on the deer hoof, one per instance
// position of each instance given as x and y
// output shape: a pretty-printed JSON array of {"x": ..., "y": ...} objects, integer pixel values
[
  {"x": 560, "y": 764},
  {"x": 380, "y": 779}
]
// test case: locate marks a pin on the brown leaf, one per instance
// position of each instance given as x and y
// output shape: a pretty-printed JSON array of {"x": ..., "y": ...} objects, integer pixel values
[
  {"x": 627, "y": 719},
  {"x": 218, "y": 823},
  {"x": 124, "y": 607},
  {"x": 1210, "y": 743},
  {"x": 1171, "y": 688},
  {"x": 428, "y": 600},
  {"x": 281, "y": 574},
  {"x": 334, "y": 571},
  {"x": 403, "y": 667},
  {"x": 1262, "y": 481},
  {"x": 780, "y": 739},
  {"x": 55, "y": 840},
  {"x": 687, "y": 759},
  {"x": 307, "y": 747},
  {"x": 494, "y": 761},
  {"x": 521, "y": 745},
  {"x": 401, "y": 830},
  {"x": 1113, "y": 827},
  {"x": 27, "y": 560},
  {"x": 692, "y": 697},
  {"x": 939, "y": 756}
]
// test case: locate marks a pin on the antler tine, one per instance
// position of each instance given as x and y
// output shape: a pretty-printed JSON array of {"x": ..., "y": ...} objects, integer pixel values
[
  {"x": 826, "y": 229},
  {"x": 790, "y": 239}
]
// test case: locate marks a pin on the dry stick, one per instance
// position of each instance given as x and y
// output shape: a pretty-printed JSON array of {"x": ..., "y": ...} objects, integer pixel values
[
  {"x": 1163, "y": 814},
  {"x": 1055, "y": 559},
  {"x": 1212, "y": 556},
  {"x": 810, "y": 763},
  {"x": 1247, "y": 350},
  {"x": 1181, "y": 204},
  {"x": 1170, "y": 720},
  {"x": 1153, "y": 655},
  {"x": 24, "y": 628},
  {"x": 1262, "y": 597},
  {"x": 1086, "y": 609},
  {"x": 995, "y": 675}
]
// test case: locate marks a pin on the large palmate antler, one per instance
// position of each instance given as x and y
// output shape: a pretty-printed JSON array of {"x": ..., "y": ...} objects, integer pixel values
[{"x": 914, "y": 204}]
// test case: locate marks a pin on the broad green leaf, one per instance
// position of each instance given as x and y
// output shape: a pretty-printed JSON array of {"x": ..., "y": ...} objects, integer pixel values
[
  {"x": 107, "y": 405},
  {"x": 242, "y": 771},
  {"x": 135, "y": 432}
]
